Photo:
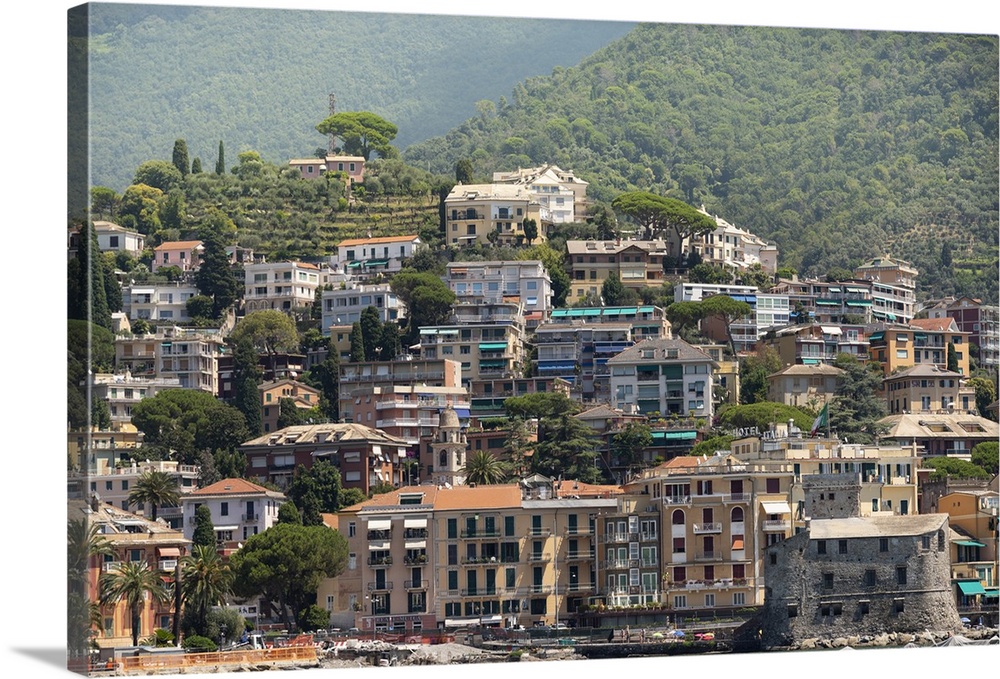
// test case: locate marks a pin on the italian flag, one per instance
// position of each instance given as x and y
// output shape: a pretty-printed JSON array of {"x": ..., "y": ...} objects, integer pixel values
[{"x": 822, "y": 420}]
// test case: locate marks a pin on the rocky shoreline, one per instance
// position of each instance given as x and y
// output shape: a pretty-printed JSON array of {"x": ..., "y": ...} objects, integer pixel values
[{"x": 891, "y": 639}]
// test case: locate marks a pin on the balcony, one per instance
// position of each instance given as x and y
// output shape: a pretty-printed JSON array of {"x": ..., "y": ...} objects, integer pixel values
[
  {"x": 578, "y": 556},
  {"x": 109, "y": 566},
  {"x": 648, "y": 537},
  {"x": 736, "y": 497},
  {"x": 776, "y": 525},
  {"x": 380, "y": 561},
  {"x": 380, "y": 586},
  {"x": 538, "y": 531},
  {"x": 540, "y": 589},
  {"x": 538, "y": 557},
  {"x": 473, "y": 560},
  {"x": 576, "y": 587},
  {"x": 414, "y": 533},
  {"x": 249, "y": 518},
  {"x": 479, "y": 591},
  {"x": 415, "y": 560},
  {"x": 168, "y": 564},
  {"x": 707, "y": 528},
  {"x": 676, "y": 499},
  {"x": 708, "y": 556},
  {"x": 414, "y": 585},
  {"x": 379, "y": 535},
  {"x": 476, "y": 534}
]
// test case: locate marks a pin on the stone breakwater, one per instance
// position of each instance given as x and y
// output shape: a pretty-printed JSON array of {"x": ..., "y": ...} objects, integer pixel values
[{"x": 892, "y": 639}]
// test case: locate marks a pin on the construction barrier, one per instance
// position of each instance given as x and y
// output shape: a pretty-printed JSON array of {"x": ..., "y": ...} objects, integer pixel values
[{"x": 304, "y": 654}]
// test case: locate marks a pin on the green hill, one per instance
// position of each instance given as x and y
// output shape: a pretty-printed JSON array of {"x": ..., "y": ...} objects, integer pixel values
[
  {"x": 260, "y": 79},
  {"x": 838, "y": 145}
]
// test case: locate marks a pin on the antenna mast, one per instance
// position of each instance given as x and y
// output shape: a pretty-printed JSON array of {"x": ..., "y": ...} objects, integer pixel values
[{"x": 333, "y": 110}]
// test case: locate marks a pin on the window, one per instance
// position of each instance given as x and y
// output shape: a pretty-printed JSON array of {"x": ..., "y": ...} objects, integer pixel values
[
  {"x": 793, "y": 610},
  {"x": 452, "y": 581},
  {"x": 773, "y": 485},
  {"x": 863, "y": 608},
  {"x": 925, "y": 541},
  {"x": 680, "y": 601},
  {"x": 224, "y": 509},
  {"x": 901, "y": 575},
  {"x": 452, "y": 529},
  {"x": 351, "y": 529},
  {"x": 739, "y": 599},
  {"x": 883, "y": 544},
  {"x": 827, "y": 580},
  {"x": 508, "y": 525},
  {"x": 897, "y": 606},
  {"x": 842, "y": 546},
  {"x": 821, "y": 546},
  {"x": 773, "y": 558}
]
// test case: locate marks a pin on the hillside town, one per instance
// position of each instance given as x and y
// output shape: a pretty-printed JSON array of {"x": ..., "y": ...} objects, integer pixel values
[{"x": 773, "y": 460}]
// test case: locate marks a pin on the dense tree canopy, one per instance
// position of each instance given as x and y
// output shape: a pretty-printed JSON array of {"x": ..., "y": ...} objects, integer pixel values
[
  {"x": 361, "y": 132},
  {"x": 186, "y": 421},
  {"x": 269, "y": 331}
]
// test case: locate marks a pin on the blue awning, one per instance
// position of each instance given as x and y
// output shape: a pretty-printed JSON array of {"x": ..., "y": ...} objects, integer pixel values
[
  {"x": 557, "y": 365},
  {"x": 462, "y": 412}
]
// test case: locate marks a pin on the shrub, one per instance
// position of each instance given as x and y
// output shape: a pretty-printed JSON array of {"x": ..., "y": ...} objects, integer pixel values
[
  {"x": 313, "y": 618},
  {"x": 515, "y": 656},
  {"x": 198, "y": 644}
]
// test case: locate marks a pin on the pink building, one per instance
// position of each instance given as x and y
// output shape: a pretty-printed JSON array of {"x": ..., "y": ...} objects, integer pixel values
[
  {"x": 311, "y": 168},
  {"x": 185, "y": 254}
]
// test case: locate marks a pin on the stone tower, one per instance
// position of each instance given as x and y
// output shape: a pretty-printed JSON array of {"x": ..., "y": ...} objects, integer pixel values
[
  {"x": 832, "y": 496},
  {"x": 449, "y": 449}
]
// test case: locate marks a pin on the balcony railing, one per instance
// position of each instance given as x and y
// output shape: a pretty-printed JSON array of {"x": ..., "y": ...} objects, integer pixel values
[
  {"x": 480, "y": 591},
  {"x": 249, "y": 518},
  {"x": 380, "y": 586},
  {"x": 703, "y": 528},
  {"x": 539, "y": 557},
  {"x": 578, "y": 556},
  {"x": 736, "y": 497},
  {"x": 480, "y": 559},
  {"x": 168, "y": 564},
  {"x": 380, "y": 561},
  {"x": 579, "y": 530},
  {"x": 708, "y": 556},
  {"x": 414, "y": 533},
  {"x": 540, "y": 589},
  {"x": 379, "y": 535},
  {"x": 777, "y": 524},
  {"x": 412, "y": 585},
  {"x": 412, "y": 560},
  {"x": 476, "y": 533},
  {"x": 676, "y": 499},
  {"x": 538, "y": 531}
]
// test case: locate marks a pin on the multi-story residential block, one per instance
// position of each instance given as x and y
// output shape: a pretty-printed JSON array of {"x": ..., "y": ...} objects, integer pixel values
[
  {"x": 114, "y": 238},
  {"x": 848, "y": 575},
  {"x": 816, "y": 344},
  {"x": 90, "y": 449},
  {"x": 638, "y": 263},
  {"x": 273, "y": 392},
  {"x": 132, "y": 539},
  {"x": 667, "y": 376},
  {"x": 579, "y": 352},
  {"x": 922, "y": 341},
  {"x": 524, "y": 281},
  {"x": 284, "y": 286},
  {"x": 474, "y": 211},
  {"x": 829, "y": 303},
  {"x": 353, "y": 167},
  {"x": 487, "y": 394},
  {"x": 358, "y": 382},
  {"x": 434, "y": 557},
  {"x": 630, "y": 556},
  {"x": 240, "y": 509},
  {"x": 939, "y": 433},
  {"x": 560, "y": 191},
  {"x": 365, "y": 456},
  {"x": 889, "y": 270},
  {"x": 981, "y": 321},
  {"x": 410, "y": 412},
  {"x": 113, "y": 483},
  {"x": 158, "y": 301},
  {"x": 804, "y": 385},
  {"x": 972, "y": 515},
  {"x": 123, "y": 392},
  {"x": 647, "y": 321},
  {"x": 487, "y": 339},
  {"x": 927, "y": 389},
  {"x": 184, "y": 254},
  {"x": 718, "y": 515},
  {"x": 768, "y": 311},
  {"x": 276, "y": 366},
  {"x": 343, "y": 306},
  {"x": 734, "y": 248},
  {"x": 894, "y": 282},
  {"x": 365, "y": 257},
  {"x": 190, "y": 355}
]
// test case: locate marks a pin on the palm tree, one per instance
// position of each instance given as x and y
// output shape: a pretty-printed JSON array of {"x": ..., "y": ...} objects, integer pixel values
[
  {"x": 484, "y": 469},
  {"x": 206, "y": 581},
  {"x": 157, "y": 488},
  {"x": 132, "y": 582},
  {"x": 83, "y": 541}
]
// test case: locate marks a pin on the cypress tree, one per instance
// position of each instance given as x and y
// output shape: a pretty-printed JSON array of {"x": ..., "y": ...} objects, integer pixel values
[
  {"x": 247, "y": 376},
  {"x": 181, "y": 157},
  {"x": 196, "y": 166},
  {"x": 220, "y": 164},
  {"x": 204, "y": 531},
  {"x": 215, "y": 278},
  {"x": 357, "y": 343}
]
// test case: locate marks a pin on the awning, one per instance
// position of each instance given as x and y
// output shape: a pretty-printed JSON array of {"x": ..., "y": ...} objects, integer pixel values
[
  {"x": 875, "y": 336},
  {"x": 218, "y": 528},
  {"x": 493, "y": 346},
  {"x": 856, "y": 289},
  {"x": 378, "y": 545},
  {"x": 971, "y": 588},
  {"x": 828, "y": 302},
  {"x": 990, "y": 592},
  {"x": 415, "y": 523},
  {"x": 353, "y": 265},
  {"x": 559, "y": 365},
  {"x": 969, "y": 543},
  {"x": 454, "y": 622},
  {"x": 558, "y": 313},
  {"x": 492, "y": 363},
  {"x": 376, "y": 262},
  {"x": 415, "y": 544},
  {"x": 628, "y": 311},
  {"x": 462, "y": 413},
  {"x": 859, "y": 302},
  {"x": 738, "y": 543},
  {"x": 612, "y": 312},
  {"x": 380, "y": 524},
  {"x": 810, "y": 361},
  {"x": 591, "y": 312},
  {"x": 675, "y": 435},
  {"x": 834, "y": 289},
  {"x": 831, "y": 330},
  {"x": 169, "y": 551},
  {"x": 646, "y": 309},
  {"x": 772, "y": 507}
]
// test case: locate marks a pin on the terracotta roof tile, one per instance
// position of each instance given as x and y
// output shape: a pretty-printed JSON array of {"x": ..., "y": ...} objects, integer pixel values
[
  {"x": 230, "y": 487},
  {"x": 376, "y": 241}
]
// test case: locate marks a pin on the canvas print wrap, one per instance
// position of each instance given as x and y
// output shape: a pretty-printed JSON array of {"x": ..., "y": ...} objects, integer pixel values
[{"x": 415, "y": 340}]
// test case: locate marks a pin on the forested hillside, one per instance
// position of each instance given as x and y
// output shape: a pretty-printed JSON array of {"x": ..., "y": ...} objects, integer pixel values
[
  {"x": 260, "y": 78},
  {"x": 838, "y": 145}
]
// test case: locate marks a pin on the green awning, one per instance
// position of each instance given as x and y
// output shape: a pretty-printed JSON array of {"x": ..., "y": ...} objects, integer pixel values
[
  {"x": 492, "y": 363},
  {"x": 612, "y": 312},
  {"x": 646, "y": 309},
  {"x": 876, "y": 336},
  {"x": 376, "y": 262},
  {"x": 810, "y": 361},
  {"x": 969, "y": 543},
  {"x": 353, "y": 265},
  {"x": 575, "y": 312},
  {"x": 675, "y": 435},
  {"x": 493, "y": 346},
  {"x": 828, "y": 302},
  {"x": 628, "y": 311},
  {"x": 591, "y": 312},
  {"x": 971, "y": 588},
  {"x": 859, "y": 302},
  {"x": 990, "y": 592},
  {"x": 559, "y": 313}
]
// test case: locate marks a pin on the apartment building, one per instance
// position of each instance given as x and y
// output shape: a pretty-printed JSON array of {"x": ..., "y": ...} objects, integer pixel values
[
  {"x": 366, "y": 257},
  {"x": 273, "y": 392},
  {"x": 410, "y": 412},
  {"x": 526, "y": 282},
  {"x": 112, "y": 485},
  {"x": 939, "y": 433},
  {"x": 487, "y": 339},
  {"x": 768, "y": 311},
  {"x": 487, "y": 394},
  {"x": 189, "y": 355},
  {"x": 123, "y": 392},
  {"x": 358, "y": 381},
  {"x": 817, "y": 344},
  {"x": 921, "y": 341},
  {"x": 132, "y": 539},
  {"x": 559, "y": 191},
  {"x": 637, "y": 263},
  {"x": 578, "y": 353},
  {"x": 343, "y": 306},
  {"x": 972, "y": 515},
  {"x": 734, "y": 248},
  {"x": 158, "y": 301},
  {"x": 475, "y": 211},
  {"x": 809, "y": 386},
  {"x": 888, "y": 270},
  {"x": 114, "y": 238},
  {"x": 926, "y": 389},
  {"x": 982, "y": 322},
  {"x": 434, "y": 557},
  {"x": 240, "y": 509},
  {"x": 364, "y": 455},
  {"x": 667, "y": 376},
  {"x": 282, "y": 286}
]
